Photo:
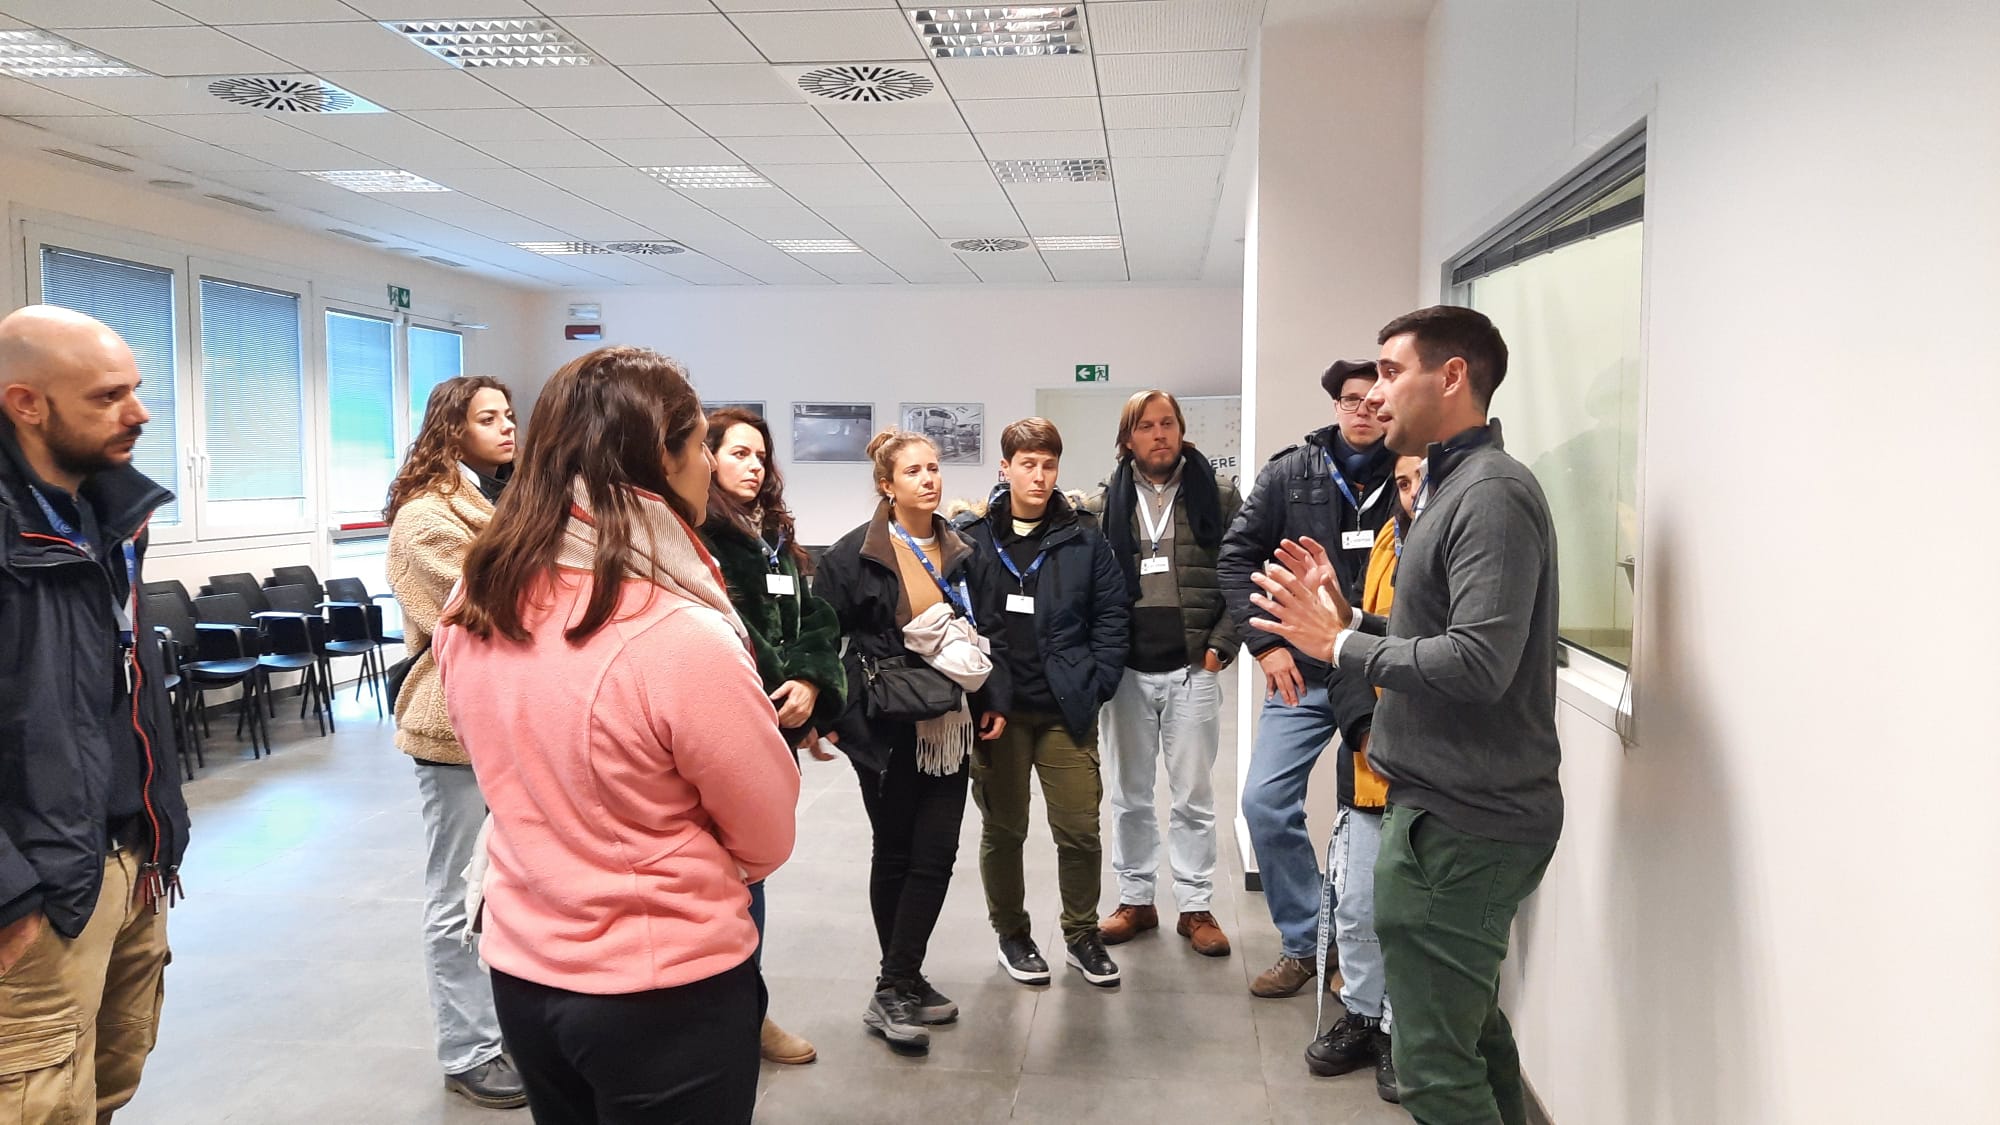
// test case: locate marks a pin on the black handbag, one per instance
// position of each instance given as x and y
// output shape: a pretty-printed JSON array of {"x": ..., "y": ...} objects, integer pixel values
[
  {"x": 904, "y": 689},
  {"x": 394, "y": 675}
]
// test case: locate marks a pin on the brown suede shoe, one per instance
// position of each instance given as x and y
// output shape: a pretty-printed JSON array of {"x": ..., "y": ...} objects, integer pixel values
[
  {"x": 1202, "y": 932},
  {"x": 1282, "y": 979},
  {"x": 781, "y": 1046},
  {"x": 1127, "y": 922}
]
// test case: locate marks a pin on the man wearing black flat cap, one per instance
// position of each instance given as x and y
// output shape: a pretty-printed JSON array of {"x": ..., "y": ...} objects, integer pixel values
[{"x": 1335, "y": 487}]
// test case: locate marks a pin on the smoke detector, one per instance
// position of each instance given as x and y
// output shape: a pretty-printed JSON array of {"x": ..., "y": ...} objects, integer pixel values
[
  {"x": 290, "y": 93},
  {"x": 989, "y": 245},
  {"x": 866, "y": 82}
]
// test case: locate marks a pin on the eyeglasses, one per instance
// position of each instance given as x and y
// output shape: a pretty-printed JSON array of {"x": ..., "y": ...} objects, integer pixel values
[{"x": 1350, "y": 404}]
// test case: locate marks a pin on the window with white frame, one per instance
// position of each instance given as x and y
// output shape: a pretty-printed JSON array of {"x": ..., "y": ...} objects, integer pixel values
[
  {"x": 1563, "y": 285},
  {"x": 253, "y": 396},
  {"x": 138, "y": 302},
  {"x": 361, "y": 413},
  {"x": 435, "y": 355}
]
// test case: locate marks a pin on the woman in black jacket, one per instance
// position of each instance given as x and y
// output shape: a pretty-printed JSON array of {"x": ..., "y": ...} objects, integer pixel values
[
  {"x": 794, "y": 634},
  {"x": 878, "y": 578}
]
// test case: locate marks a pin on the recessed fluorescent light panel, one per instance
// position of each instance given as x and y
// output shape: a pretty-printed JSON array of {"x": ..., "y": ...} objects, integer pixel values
[
  {"x": 519, "y": 42},
  {"x": 557, "y": 249},
  {"x": 978, "y": 33},
  {"x": 1080, "y": 242},
  {"x": 816, "y": 246},
  {"x": 37, "y": 54},
  {"x": 1082, "y": 170},
  {"x": 377, "y": 180},
  {"x": 708, "y": 176}
]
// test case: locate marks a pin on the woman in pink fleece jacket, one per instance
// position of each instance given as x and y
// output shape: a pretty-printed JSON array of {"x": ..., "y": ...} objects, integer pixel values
[{"x": 603, "y": 686}]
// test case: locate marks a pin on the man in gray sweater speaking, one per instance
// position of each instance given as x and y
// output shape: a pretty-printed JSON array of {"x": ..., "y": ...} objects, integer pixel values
[{"x": 1465, "y": 731}]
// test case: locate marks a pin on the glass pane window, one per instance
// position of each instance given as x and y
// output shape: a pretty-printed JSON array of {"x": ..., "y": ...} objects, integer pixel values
[
  {"x": 360, "y": 383},
  {"x": 137, "y": 301},
  {"x": 435, "y": 355},
  {"x": 253, "y": 406}
]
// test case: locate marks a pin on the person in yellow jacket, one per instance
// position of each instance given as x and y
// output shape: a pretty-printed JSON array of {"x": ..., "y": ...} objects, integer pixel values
[{"x": 1347, "y": 911}]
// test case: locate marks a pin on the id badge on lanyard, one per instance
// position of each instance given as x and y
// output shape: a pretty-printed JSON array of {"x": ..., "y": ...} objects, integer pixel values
[
  {"x": 1155, "y": 563},
  {"x": 776, "y": 582}
]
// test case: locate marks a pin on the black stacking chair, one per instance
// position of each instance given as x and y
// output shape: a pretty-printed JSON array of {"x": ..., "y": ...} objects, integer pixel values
[
  {"x": 282, "y": 642},
  {"x": 297, "y": 576},
  {"x": 354, "y": 624},
  {"x": 357, "y": 591},
  {"x": 303, "y": 604},
  {"x": 174, "y": 587},
  {"x": 242, "y": 584},
  {"x": 211, "y": 658},
  {"x": 176, "y": 686}
]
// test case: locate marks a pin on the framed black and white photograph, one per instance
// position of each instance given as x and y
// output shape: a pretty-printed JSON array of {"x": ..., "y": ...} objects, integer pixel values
[
  {"x": 958, "y": 429},
  {"x": 832, "y": 431},
  {"x": 756, "y": 408}
]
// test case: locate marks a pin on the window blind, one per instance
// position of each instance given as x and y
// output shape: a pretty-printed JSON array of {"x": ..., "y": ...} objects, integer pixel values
[
  {"x": 360, "y": 383},
  {"x": 253, "y": 398},
  {"x": 435, "y": 355}
]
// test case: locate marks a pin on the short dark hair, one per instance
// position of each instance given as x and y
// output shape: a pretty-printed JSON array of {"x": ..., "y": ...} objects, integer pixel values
[
  {"x": 1030, "y": 435},
  {"x": 1445, "y": 331}
]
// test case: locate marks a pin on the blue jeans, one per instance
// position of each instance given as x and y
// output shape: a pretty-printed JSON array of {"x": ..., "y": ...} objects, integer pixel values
[
  {"x": 1289, "y": 742},
  {"x": 468, "y": 1029},
  {"x": 757, "y": 916}
]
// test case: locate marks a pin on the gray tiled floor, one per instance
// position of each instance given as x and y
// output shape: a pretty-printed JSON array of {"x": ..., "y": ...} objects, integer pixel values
[{"x": 297, "y": 988}]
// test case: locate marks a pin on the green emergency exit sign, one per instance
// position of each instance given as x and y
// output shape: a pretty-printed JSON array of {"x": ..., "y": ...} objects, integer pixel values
[
  {"x": 399, "y": 297},
  {"x": 1093, "y": 373}
]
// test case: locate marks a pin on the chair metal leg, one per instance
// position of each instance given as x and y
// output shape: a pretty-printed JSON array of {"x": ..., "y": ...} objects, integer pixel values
[{"x": 327, "y": 692}]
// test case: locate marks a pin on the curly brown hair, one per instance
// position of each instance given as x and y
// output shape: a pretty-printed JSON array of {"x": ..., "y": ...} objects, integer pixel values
[
  {"x": 433, "y": 461},
  {"x": 778, "y": 523}
]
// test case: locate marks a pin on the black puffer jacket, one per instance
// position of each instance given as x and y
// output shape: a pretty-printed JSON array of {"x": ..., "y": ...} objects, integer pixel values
[
  {"x": 859, "y": 578},
  {"x": 1206, "y": 510},
  {"x": 1295, "y": 497},
  {"x": 60, "y": 709},
  {"x": 1082, "y": 612}
]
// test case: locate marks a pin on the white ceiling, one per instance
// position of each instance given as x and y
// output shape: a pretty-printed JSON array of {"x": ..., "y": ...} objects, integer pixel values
[{"x": 551, "y": 154}]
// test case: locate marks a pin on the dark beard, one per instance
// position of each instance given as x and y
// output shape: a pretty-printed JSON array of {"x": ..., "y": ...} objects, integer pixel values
[{"x": 77, "y": 456}]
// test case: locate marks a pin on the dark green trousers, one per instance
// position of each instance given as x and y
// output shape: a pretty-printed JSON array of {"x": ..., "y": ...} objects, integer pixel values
[
  {"x": 1444, "y": 905},
  {"x": 1039, "y": 744}
]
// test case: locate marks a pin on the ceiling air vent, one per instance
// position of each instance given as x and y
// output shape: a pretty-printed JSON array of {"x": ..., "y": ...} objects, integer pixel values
[
  {"x": 301, "y": 93},
  {"x": 171, "y": 185},
  {"x": 355, "y": 235},
  {"x": 247, "y": 205},
  {"x": 443, "y": 261},
  {"x": 645, "y": 247},
  {"x": 90, "y": 160},
  {"x": 989, "y": 245},
  {"x": 865, "y": 82}
]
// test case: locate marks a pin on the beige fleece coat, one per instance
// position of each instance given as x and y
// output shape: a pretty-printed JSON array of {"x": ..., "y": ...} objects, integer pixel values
[{"x": 427, "y": 546}]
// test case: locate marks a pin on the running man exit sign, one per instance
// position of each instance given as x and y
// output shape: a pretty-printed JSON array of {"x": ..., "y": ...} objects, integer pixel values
[{"x": 1093, "y": 373}]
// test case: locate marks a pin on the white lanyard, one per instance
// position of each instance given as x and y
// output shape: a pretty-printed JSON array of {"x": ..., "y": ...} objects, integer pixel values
[
  {"x": 1423, "y": 496},
  {"x": 1155, "y": 530}
]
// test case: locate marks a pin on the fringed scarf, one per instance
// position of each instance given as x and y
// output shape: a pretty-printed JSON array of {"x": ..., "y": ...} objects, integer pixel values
[
  {"x": 949, "y": 644},
  {"x": 665, "y": 552}
]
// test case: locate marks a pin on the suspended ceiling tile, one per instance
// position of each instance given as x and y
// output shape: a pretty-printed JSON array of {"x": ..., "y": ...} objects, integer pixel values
[
  {"x": 1064, "y": 144},
  {"x": 836, "y": 185},
  {"x": 793, "y": 120},
  {"x": 651, "y": 40},
  {"x": 972, "y": 222},
  {"x": 428, "y": 159},
  {"x": 800, "y": 5},
  {"x": 1133, "y": 26},
  {"x": 1086, "y": 265},
  {"x": 889, "y": 221},
  {"x": 1055, "y": 76},
  {"x": 1126, "y": 143},
  {"x": 917, "y": 148},
  {"x": 230, "y": 128},
  {"x": 264, "y": 11},
  {"x": 110, "y": 132},
  {"x": 703, "y": 270},
  {"x": 22, "y": 99},
  {"x": 571, "y": 153},
  {"x": 337, "y": 46},
  {"x": 308, "y": 155},
  {"x": 724, "y": 200},
  {"x": 1017, "y": 267},
  {"x": 1032, "y": 115},
  {"x": 837, "y": 36},
  {"x": 407, "y": 90},
  {"x": 66, "y": 14},
  {"x": 195, "y": 156},
  {"x": 670, "y": 151},
  {"x": 561, "y": 8},
  {"x": 781, "y": 222},
  {"x": 928, "y": 115},
  {"x": 1172, "y": 111},
  {"x": 1175, "y": 72},
  {"x": 1060, "y": 192},
  {"x": 558, "y": 87},
  {"x": 938, "y": 176},
  {"x": 619, "y": 189},
  {"x": 175, "y": 51},
  {"x": 476, "y": 125},
  {"x": 1135, "y": 169},
  {"x": 1068, "y": 218},
  {"x": 141, "y": 97},
  {"x": 715, "y": 84},
  {"x": 624, "y": 123},
  {"x": 441, "y": 9},
  {"x": 793, "y": 150}
]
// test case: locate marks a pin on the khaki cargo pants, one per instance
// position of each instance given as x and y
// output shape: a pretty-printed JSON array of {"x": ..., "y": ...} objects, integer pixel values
[{"x": 77, "y": 1018}]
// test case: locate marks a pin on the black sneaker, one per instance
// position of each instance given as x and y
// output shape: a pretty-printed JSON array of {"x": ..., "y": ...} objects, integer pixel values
[
  {"x": 1349, "y": 1044},
  {"x": 1088, "y": 956},
  {"x": 492, "y": 1085},
  {"x": 1023, "y": 959},
  {"x": 933, "y": 1007},
  {"x": 892, "y": 1014},
  {"x": 1385, "y": 1072}
]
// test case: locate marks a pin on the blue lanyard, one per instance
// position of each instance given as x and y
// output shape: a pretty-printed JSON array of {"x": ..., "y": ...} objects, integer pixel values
[
  {"x": 1041, "y": 557},
  {"x": 60, "y": 525},
  {"x": 63, "y": 528},
  {"x": 1340, "y": 482},
  {"x": 960, "y": 598},
  {"x": 774, "y": 555}
]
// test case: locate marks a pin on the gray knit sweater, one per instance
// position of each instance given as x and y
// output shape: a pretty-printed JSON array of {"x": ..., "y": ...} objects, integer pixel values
[{"x": 1466, "y": 728}]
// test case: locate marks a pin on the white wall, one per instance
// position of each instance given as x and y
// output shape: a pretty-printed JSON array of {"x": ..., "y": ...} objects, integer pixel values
[
  {"x": 45, "y": 190},
  {"x": 889, "y": 346},
  {"x": 1781, "y": 904}
]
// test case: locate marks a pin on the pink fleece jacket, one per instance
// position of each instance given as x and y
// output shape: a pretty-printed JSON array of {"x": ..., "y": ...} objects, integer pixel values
[{"x": 637, "y": 783}]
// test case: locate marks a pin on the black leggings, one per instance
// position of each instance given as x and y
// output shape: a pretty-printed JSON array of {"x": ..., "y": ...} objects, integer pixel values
[
  {"x": 673, "y": 1055},
  {"x": 916, "y": 818}
]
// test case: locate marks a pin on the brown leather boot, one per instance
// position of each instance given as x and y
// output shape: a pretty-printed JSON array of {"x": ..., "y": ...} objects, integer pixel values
[
  {"x": 1127, "y": 922},
  {"x": 781, "y": 1046},
  {"x": 1202, "y": 932},
  {"x": 1282, "y": 979}
]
